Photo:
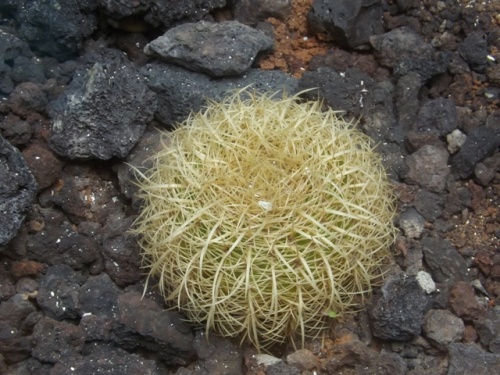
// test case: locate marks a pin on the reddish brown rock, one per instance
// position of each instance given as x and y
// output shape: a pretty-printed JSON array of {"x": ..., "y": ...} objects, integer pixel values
[
  {"x": 45, "y": 167},
  {"x": 463, "y": 302},
  {"x": 26, "y": 268},
  {"x": 470, "y": 334}
]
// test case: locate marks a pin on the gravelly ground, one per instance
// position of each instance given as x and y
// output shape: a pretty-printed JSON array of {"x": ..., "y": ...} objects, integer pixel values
[{"x": 424, "y": 78}]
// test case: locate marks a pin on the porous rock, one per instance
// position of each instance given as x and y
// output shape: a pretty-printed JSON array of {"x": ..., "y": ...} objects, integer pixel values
[
  {"x": 56, "y": 31},
  {"x": 444, "y": 261},
  {"x": 349, "y": 23},
  {"x": 141, "y": 322},
  {"x": 471, "y": 359},
  {"x": 57, "y": 341},
  {"x": 488, "y": 329},
  {"x": 106, "y": 359},
  {"x": 62, "y": 244},
  {"x": 481, "y": 142},
  {"x": 58, "y": 294},
  {"x": 438, "y": 116},
  {"x": 397, "y": 313},
  {"x": 428, "y": 168},
  {"x": 474, "y": 50},
  {"x": 442, "y": 328},
  {"x": 250, "y": 12},
  {"x": 17, "y": 190},
  {"x": 411, "y": 223},
  {"x": 122, "y": 258},
  {"x": 87, "y": 127},
  {"x": 356, "y": 355},
  {"x": 349, "y": 91},
  {"x": 217, "y": 49},
  {"x": 216, "y": 355},
  {"x": 181, "y": 91},
  {"x": 15, "y": 344}
]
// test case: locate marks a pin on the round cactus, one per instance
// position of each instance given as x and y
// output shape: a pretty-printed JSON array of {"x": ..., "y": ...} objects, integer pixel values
[{"x": 263, "y": 217}]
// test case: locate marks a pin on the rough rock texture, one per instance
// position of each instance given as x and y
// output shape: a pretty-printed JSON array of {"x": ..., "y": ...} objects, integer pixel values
[
  {"x": 480, "y": 143},
  {"x": 56, "y": 31},
  {"x": 471, "y": 359},
  {"x": 87, "y": 127},
  {"x": 428, "y": 168},
  {"x": 405, "y": 51},
  {"x": 250, "y": 12},
  {"x": 397, "y": 313},
  {"x": 348, "y": 23},
  {"x": 103, "y": 359},
  {"x": 443, "y": 259},
  {"x": 17, "y": 190},
  {"x": 57, "y": 341},
  {"x": 430, "y": 77},
  {"x": 217, "y": 49},
  {"x": 142, "y": 323},
  {"x": 442, "y": 328},
  {"x": 181, "y": 91},
  {"x": 141, "y": 14}
]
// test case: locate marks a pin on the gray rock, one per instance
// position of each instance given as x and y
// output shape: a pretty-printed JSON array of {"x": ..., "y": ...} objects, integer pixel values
[
  {"x": 406, "y": 97},
  {"x": 442, "y": 328},
  {"x": 444, "y": 261},
  {"x": 105, "y": 359},
  {"x": 104, "y": 111},
  {"x": 28, "y": 69},
  {"x": 488, "y": 329},
  {"x": 28, "y": 97},
  {"x": 140, "y": 158},
  {"x": 218, "y": 49},
  {"x": 429, "y": 205},
  {"x": 17, "y": 191},
  {"x": 56, "y": 31},
  {"x": 282, "y": 368},
  {"x": 437, "y": 116},
  {"x": 180, "y": 91},
  {"x": 98, "y": 296},
  {"x": 349, "y": 23},
  {"x": 486, "y": 170},
  {"x": 481, "y": 142},
  {"x": 142, "y": 323},
  {"x": 356, "y": 355},
  {"x": 58, "y": 292},
  {"x": 18, "y": 132},
  {"x": 428, "y": 168},
  {"x": 84, "y": 193},
  {"x": 474, "y": 50},
  {"x": 411, "y": 223},
  {"x": 397, "y": 313},
  {"x": 15, "y": 344},
  {"x": 10, "y": 48},
  {"x": 122, "y": 258},
  {"x": 400, "y": 44},
  {"x": 349, "y": 91},
  {"x": 425, "y": 68},
  {"x": 62, "y": 244},
  {"x": 455, "y": 140},
  {"x": 216, "y": 355},
  {"x": 158, "y": 13},
  {"x": 56, "y": 341},
  {"x": 250, "y": 12},
  {"x": 471, "y": 359}
]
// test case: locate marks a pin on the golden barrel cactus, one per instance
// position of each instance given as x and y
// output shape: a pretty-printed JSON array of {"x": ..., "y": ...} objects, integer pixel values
[{"x": 263, "y": 217}]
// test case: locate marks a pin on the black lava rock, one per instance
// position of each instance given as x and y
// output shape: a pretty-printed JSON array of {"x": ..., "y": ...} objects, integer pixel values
[
  {"x": 17, "y": 191},
  {"x": 397, "y": 314},
  {"x": 104, "y": 112}
]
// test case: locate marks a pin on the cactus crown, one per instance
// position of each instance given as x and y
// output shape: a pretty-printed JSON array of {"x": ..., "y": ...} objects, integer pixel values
[{"x": 261, "y": 217}]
